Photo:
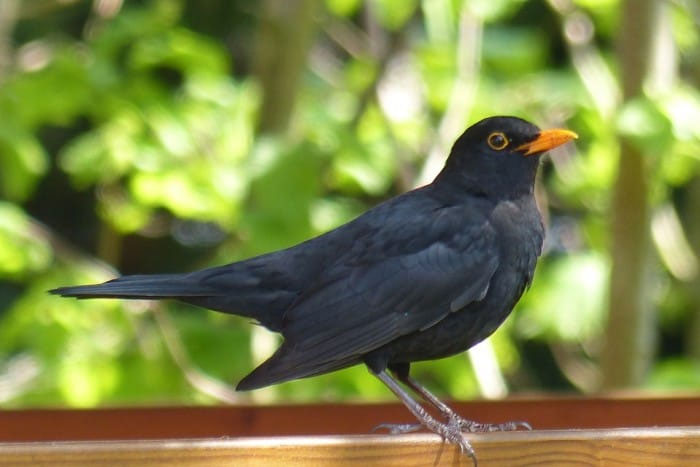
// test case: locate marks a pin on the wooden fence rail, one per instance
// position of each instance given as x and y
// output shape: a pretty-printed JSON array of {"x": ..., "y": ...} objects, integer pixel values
[
  {"x": 615, "y": 447},
  {"x": 568, "y": 431}
]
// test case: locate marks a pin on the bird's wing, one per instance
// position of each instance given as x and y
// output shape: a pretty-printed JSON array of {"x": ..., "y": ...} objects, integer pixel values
[{"x": 400, "y": 282}]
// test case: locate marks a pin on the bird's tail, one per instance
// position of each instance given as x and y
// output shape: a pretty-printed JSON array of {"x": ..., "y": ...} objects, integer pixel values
[
  {"x": 140, "y": 286},
  {"x": 245, "y": 289}
]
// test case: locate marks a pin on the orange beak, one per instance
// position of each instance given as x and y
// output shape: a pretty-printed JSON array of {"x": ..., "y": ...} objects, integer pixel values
[{"x": 546, "y": 140}]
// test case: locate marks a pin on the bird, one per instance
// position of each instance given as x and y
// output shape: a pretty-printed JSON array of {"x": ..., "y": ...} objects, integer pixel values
[{"x": 422, "y": 276}]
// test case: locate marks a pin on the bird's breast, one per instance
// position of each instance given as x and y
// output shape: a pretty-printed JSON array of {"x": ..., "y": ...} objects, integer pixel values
[{"x": 519, "y": 235}]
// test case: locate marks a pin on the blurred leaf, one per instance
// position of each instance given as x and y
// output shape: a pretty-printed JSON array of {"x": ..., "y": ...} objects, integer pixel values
[
  {"x": 22, "y": 251},
  {"x": 24, "y": 96},
  {"x": 210, "y": 341},
  {"x": 188, "y": 196},
  {"x": 604, "y": 13},
  {"x": 83, "y": 382},
  {"x": 646, "y": 125},
  {"x": 105, "y": 154},
  {"x": 569, "y": 301},
  {"x": 675, "y": 374},
  {"x": 513, "y": 50},
  {"x": 282, "y": 198},
  {"x": 596, "y": 4},
  {"x": 492, "y": 10},
  {"x": 681, "y": 163},
  {"x": 368, "y": 163},
  {"x": 392, "y": 14},
  {"x": 327, "y": 214},
  {"x": 438, "y": 69},
  {"x": 343, "y": 7},
  {"x": 440, "y": 20},
  {"x": 685, "y": 30},
  {"x": 182, "y": 50},
  {"x": 359, "y": 74},
  {"x": 22, "y": 162},
  {"x": 121, "y": 211},
  {"x": 682, "y": 107}
]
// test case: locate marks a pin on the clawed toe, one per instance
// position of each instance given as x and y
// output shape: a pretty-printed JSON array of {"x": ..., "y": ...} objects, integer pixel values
[
  {"x": 475, "y": 427},
  {"x": 398, "y": 428},
  {"x": 517, "y": 425},
  {"x": 453, "y": 434},
  {"x": 450, "y": 432},
  {"x": 453, "y": 426}
]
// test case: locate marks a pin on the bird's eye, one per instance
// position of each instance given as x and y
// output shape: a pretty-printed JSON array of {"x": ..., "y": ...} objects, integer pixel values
[{"x": 497, "y": 141}]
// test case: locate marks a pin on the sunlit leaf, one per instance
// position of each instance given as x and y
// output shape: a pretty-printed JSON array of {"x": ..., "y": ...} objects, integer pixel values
[
  {"x": 569, "y": 298},
  {"x": 22, "y": 248},
  {"x": 513, "y": 51},
  {"x": 343, "y": 7},
  {"x": 646, "y": 125},
  {"x": 492, "y": 10},
  {"x": 392, "y": 14},
  {"x": 675, "y": 374},
  {"x": 22, "y": 162}
]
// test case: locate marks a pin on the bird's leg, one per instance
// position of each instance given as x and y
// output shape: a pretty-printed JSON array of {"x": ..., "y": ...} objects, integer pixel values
[
  {"x": 447, "y": 431},
  {"x": 402, "y": 373}
]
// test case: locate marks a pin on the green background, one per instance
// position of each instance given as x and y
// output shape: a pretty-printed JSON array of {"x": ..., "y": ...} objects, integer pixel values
[{"x": 167, "y": 136}]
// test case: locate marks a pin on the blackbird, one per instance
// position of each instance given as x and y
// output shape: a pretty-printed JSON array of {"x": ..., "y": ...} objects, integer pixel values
[{"x": 422, "y": 276}]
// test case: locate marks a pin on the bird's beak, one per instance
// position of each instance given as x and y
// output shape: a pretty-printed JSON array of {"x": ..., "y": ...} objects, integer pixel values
[{"x": 546, "y": 140}]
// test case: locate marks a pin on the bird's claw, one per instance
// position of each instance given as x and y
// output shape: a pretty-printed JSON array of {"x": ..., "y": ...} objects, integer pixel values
[
  {"x": 476, "y": 427},
  {"x": 398, "y": 428},
  {"x": 453, "y": 434},
  {"x": 464, "y": 426},
  {"x": 450, "y": 432}
]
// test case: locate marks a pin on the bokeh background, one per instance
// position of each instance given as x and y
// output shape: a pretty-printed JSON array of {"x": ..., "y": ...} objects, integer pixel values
[{"x": 165, "y": 136}]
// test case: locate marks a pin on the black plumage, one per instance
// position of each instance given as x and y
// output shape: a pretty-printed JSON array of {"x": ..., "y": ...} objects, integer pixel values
[{"x": 421, "y": 276}]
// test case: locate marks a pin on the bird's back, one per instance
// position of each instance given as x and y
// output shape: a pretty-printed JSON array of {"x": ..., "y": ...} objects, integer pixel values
[{"x": 266, "y": 286}]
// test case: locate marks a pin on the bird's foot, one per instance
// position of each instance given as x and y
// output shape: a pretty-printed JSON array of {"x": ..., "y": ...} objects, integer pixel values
[
  {"x": 465, "y": 426},
  {"x": 450, "y": 432},
  {"x": 476, "y": 427},
  {"x": 398, "y": 428}
]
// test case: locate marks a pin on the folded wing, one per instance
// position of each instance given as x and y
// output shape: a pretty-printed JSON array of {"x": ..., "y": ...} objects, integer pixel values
[{"x": 390, "y": 291}]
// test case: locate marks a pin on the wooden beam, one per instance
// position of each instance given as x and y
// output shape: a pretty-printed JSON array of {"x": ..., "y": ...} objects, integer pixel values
[
  {"x": 629, "y": 446},
  {"x": 329, "y": 419}
]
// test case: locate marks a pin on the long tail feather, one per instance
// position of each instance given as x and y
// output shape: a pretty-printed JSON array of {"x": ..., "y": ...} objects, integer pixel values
[{"x": 139, "y": 286}]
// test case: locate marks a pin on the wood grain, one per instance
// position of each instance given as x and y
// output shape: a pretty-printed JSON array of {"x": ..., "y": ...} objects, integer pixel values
[
  {"x": 140, "y": 423},
  {"x": 678, "y": 446}
]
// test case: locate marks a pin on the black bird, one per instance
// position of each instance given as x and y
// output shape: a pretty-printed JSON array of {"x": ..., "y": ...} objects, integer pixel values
[{"x": 421, "y": 276}]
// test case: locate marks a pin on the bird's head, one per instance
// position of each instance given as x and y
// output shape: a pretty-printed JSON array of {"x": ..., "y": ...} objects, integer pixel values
[{"x": 498, "y": 156}]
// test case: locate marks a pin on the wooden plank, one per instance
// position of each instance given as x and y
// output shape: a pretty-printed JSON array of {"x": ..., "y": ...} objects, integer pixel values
[
  {"x": 325, "y": 419},
  {"x": 622, "y": 447}
]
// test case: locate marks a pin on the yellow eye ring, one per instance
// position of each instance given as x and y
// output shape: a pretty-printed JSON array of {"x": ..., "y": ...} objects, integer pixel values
[{"x": 497, "y": 140}]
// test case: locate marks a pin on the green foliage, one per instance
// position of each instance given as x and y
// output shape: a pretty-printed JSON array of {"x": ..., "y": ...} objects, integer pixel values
[
  {"x": 22, "y": 252},
  {"x": 24, "y": 162},
  {"x": 569, "y": 301},
  {"x": 646, "y": 125},
  {"x": 132, "y": 139},
  {"x": 678, "y": 374},
  {"x": 393, "y": 14},
  {"x": 492, "y": 10}
]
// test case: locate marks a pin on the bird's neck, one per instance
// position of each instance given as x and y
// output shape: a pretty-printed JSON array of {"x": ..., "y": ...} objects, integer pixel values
[{"x": 494, "y": 186}]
